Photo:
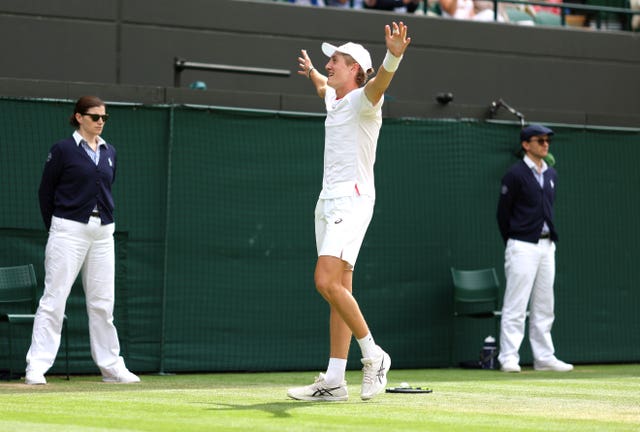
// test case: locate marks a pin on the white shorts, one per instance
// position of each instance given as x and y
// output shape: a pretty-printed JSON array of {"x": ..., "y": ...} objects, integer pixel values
[{"x": 341, "y": 224}]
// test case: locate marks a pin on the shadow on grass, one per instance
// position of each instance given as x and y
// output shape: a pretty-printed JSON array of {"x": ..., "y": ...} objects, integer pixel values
[{"x": 277, "y": 409}]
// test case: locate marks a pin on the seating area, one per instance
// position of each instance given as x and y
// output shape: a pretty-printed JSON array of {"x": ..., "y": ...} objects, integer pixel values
[{"x": 613, "y": 15}]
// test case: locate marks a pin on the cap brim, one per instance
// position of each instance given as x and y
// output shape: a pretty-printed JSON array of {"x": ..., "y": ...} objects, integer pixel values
[
  {"x": 328, "y": 49},
  {"x": 529, "y": 132}
]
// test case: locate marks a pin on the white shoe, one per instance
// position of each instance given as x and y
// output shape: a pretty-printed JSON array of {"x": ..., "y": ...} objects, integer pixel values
[
  {"x": 554, "y": 365},
  {"x": 34, "y": 378},
  {"x": 375, "y": 375},
  {"x": 320, "y": 391},
  {"x": 124, "y": 377},
  {"x": 510, "y": 366}
]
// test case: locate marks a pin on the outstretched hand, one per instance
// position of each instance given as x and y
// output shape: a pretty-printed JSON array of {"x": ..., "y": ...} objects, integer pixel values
[
  {"x": 304, "y": 62},
  {"x": 396, "y": 38}
]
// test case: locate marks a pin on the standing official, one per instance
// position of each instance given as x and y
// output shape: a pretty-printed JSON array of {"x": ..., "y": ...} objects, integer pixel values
[
  {"x": 525, "y": 218},
  {"x": 345, "y": 205},
  {"x": 77, "y": 209}
]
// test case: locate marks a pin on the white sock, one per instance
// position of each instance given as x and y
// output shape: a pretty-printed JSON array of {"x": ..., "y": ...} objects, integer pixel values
[
  {"x": 335, "y": 371},
  {"x": 368, "y": 347}
]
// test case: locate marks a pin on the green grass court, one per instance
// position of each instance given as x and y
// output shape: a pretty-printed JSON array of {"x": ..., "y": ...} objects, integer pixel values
[{"x": 591, "y": 398}]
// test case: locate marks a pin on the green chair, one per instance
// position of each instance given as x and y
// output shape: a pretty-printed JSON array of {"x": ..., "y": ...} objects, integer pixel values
[
  {"x": 18, "y": 304},
  {"x": 475, "y": 295},
  {"x": 518, "y": 16},
  {"x": 547, "y": 18}
]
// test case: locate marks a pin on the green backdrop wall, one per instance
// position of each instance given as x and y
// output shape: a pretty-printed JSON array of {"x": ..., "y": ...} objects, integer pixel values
[{"x": 215, "y": 243}]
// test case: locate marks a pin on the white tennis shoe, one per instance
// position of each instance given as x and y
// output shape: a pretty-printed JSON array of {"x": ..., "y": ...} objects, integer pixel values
[
  {"x": 123, "y": 377},
  {"x": 375, "y": 375},
  {"x": 510, "y": 366},
  {"x": 320, "y": 391},
  {"x": 34, "y": 378},
  {"x": 554, "y": 365}
]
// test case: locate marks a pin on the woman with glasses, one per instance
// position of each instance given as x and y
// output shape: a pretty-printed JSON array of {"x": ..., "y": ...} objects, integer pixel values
[{"x": 77, "y": 210}]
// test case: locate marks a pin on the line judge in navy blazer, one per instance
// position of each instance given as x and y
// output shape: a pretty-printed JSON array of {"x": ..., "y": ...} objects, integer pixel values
[
  {"x": 77, "y": 209},
  {"x": 525, "y": 219}
]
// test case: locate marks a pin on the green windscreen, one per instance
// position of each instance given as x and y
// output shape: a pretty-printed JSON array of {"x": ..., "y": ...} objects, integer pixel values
[{"x": 216, "y": 249}]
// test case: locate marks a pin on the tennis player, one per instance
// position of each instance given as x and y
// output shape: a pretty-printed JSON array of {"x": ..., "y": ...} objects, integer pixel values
[{"x": 345, "y": 205}]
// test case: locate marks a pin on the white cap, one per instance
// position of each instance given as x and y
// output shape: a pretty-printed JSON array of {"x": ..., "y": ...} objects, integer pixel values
[{"x": 357, "y": 51}]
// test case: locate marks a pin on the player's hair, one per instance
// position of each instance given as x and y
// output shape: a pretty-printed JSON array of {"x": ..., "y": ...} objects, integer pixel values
[
  {"x": 362, "y": 76},
  {"x": 82, "y": 105}
]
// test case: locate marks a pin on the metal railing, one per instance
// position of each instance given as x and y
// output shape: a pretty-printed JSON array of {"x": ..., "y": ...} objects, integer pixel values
[{"x": 180, "y": 65}]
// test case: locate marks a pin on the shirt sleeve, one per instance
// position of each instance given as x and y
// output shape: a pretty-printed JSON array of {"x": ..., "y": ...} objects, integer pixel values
[
  {"x": 508, "y": 191},
  {"x": 48, "y": 183},
  {"x": 364, "y": 105},
  {"x": 329, "y": 97}
]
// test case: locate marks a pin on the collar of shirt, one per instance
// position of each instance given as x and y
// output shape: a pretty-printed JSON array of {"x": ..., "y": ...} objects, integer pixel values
[
  {"x": 78, "y": 139},
  {"x": 531, "y": 164}
]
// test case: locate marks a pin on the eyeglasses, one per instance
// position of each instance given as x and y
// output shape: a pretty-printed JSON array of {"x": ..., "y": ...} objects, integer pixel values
[
  {"x": 541, "y": 140},
  {"x": 96, "y": 117}
]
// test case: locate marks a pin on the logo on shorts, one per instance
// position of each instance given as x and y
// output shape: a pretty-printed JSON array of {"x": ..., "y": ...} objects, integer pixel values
[{"x": 337, "y": 221}]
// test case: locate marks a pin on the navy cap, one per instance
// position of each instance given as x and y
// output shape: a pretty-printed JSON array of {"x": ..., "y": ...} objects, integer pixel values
[{"x": 534, "y": 130}]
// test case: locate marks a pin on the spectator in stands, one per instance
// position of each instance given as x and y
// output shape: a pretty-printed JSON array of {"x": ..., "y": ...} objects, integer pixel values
[
  {"x": 409, "y": 6},
  {"x": 308, "y": 2},
  {"x": 525, "y": 219},
  {"x": 635, "y": 21},
  {"x": 470, "y": 10},
  {"x": 553, "y": 10},
  {"x": 345, "y": 205},
  {"x": 77, "y": 209},
  {"x": 355, "y": 4}
]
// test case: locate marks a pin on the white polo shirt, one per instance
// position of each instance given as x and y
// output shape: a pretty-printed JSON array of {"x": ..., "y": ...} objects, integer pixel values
[{"x": 352, "y": 127}]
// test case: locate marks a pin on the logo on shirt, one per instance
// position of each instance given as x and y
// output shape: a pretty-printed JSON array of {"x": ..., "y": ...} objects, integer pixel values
[
  {"x": 552, "y": 184},
  {"x": 504, "y": 190},
  {"x": 49, "y": 157},
  {"x": 110, "y": 163},
  {"x": 337, "y": 221}
]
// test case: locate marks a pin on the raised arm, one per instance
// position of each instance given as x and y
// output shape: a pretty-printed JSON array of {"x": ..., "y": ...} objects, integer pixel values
[
  {"x": 397, "y": 42},
  {"x": 308, "y": 71}
]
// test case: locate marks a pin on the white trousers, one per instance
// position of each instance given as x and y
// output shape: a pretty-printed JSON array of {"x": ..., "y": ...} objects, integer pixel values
[
  {"x": 75, "y": 247},
  {"x": 530, "y": 272}
]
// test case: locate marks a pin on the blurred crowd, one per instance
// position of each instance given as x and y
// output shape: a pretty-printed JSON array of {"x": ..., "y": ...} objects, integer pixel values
[{"x": 483, "y": 10}]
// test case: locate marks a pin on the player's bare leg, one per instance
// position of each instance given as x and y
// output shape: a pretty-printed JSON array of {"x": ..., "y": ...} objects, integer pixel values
[
  {"x": 330, "y": 282},
  {"x": 339, "y": 331}
]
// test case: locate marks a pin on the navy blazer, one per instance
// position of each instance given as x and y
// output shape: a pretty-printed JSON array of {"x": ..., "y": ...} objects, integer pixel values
[
  {"x": 72, "y": 185},
  {"x": 524, "y": 206}
]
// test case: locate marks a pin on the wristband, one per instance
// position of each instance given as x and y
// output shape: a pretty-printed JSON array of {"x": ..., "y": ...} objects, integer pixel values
[
  {"x": 309, "y": 73},
  {"x": 391, "y": 62}
]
